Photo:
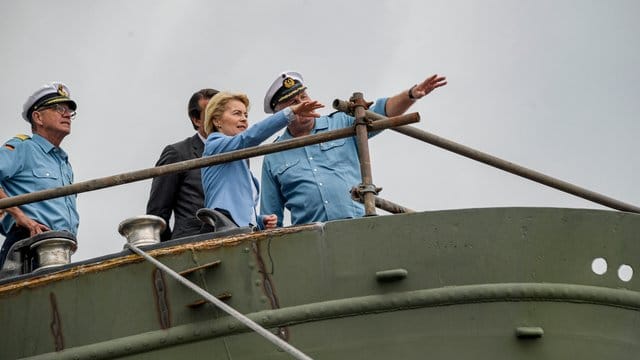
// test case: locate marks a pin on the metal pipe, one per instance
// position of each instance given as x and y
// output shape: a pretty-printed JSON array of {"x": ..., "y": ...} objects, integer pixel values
[
  {"x": 384, "y": 204},
  {"x": 362, "y": 139},
  {"x": 143, "y": 174},
  {"x": 391, "y": 207},
  {"x": 224, "y": 307},
  {"x": 507, "y": 166}
]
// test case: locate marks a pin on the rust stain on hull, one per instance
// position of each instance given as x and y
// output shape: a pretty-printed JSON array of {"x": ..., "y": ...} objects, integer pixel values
[
  {"x": 160, "y": 295},
  {"x": 56, "y": 324},
  {"x": 268, "y": 286}
]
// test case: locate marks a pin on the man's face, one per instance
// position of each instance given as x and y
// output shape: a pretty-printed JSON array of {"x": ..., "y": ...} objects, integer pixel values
[
  {"x": 199, "y": 123},
  {"x": 54, "y": 120},
  {"x": 303, "y": 125}
]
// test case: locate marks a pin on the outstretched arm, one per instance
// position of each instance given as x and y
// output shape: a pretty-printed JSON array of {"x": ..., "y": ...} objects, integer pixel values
[
  {"x": 398, "y": 104},
  {"x": 218, "y": 143},
  {"x": 307, "y": 109}
]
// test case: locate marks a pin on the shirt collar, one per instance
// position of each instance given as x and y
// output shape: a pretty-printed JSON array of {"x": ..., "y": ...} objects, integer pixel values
[
  {"x": 322, "y": 123},
  {"x": 42, "y": 142},
  {"x": 48, "y": 147},
  {"x": 204, "y": 140}
]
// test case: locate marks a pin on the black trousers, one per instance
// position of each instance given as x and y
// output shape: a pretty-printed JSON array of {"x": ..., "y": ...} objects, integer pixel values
[{"x": 14, "y": 235}]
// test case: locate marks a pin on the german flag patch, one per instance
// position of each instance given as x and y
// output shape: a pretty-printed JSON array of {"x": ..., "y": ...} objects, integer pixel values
[{"x": 12, "y": 143}]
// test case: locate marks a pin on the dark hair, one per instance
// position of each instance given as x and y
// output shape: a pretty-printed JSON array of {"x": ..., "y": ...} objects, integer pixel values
[{"x": 193, "y": 109}]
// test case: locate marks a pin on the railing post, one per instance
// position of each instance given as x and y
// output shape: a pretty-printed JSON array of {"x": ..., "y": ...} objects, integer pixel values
[{"x": 367, "y": 189}]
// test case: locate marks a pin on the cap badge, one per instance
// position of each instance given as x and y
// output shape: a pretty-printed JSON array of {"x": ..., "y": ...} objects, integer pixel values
[
  {"x": 62, "y": 91},
  {"x": 288, "y": 83}
]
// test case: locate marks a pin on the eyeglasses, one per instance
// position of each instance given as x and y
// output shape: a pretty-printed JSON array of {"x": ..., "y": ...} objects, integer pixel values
[
  {"x": 295, "y": 100},
  {"x": 61, "y": 109}
]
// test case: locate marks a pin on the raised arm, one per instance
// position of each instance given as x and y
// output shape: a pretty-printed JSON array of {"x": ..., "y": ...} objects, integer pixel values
[
  {"x": 217, "y": 143},
  {"x": 398, "y": 104}
]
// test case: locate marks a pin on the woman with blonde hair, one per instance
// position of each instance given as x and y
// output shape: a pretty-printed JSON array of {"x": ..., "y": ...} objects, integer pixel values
[{"x": 231, "y": 188}]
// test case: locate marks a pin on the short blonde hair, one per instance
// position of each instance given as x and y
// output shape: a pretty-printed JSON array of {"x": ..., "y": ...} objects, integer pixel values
[{"x": 216, "y": 106}]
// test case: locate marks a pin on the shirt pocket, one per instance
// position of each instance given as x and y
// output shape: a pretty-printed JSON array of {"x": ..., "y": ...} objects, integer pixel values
[
  {"x": 337, "y": 154},
  {"x": 332, "y": 145},
  {"x": 45, "y": 178},
  {"x": 286, "y": 166},
  {"x": 290, "y": 173}
]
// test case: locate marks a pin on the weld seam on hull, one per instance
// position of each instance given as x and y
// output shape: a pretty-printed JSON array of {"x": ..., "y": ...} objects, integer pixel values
[{"x": 446, "y": 296}]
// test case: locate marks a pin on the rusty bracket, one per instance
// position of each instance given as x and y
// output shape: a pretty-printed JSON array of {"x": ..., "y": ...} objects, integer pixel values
[
  {"x": 199, "y": 303},
  {"x": 357, "y": 192},
  {"x": 363, "y": 121},
  {"x": 357, "y": 101},
  {"x": 205, "y": 266}
]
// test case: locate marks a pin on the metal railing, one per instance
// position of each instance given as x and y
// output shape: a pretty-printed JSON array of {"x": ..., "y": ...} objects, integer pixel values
[
  {"x": 365, "y": 119},
  {"x": 133, "y": 176},
  {"x": 496, "y": 162}
]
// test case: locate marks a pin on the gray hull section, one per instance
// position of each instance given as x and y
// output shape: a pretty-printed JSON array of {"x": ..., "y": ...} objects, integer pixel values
[{"x": 506, "y": 283}]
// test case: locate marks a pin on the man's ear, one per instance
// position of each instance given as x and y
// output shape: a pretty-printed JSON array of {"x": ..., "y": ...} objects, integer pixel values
[{"x": 36, "y": 118}]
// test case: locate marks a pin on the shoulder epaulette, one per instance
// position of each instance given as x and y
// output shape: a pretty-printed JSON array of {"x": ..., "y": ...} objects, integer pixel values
[
  {"x": 14, "y": 141},
  {"x": 333, "y": 113},
  {"x": 22, "y": 137}
]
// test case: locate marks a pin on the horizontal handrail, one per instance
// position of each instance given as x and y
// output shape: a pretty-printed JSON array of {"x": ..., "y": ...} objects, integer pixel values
[
  {"x": 491, "y": 160},
  {"x": 148, "y": 173}
]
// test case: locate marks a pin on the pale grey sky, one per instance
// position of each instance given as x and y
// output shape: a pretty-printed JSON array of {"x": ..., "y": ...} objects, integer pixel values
[{"x": 551, "y": 85}]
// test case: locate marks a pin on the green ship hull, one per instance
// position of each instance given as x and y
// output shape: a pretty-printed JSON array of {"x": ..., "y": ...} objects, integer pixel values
[{"x": 500, "y": 283}]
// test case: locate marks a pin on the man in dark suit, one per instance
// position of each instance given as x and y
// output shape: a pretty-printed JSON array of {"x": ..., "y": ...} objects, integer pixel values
[{"x": 182, "y": 193}]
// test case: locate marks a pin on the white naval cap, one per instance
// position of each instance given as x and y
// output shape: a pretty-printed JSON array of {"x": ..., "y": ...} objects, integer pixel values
[
  {"x": 285, "y": 86},
  {"x": 47, "y": 94}
]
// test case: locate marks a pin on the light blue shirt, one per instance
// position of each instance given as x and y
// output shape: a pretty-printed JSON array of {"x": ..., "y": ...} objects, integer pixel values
[
  {"x": 314, "y": 182},
  {"x": 33, "y": 165},
  {"x": 229, "y": 186}
]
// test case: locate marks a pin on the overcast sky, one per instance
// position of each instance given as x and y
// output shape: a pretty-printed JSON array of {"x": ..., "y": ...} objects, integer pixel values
[{"x": 550, "y": 85}]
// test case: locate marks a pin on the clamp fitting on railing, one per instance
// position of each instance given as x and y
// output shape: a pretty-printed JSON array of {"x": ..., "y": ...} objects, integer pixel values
[
  {"x": 355, "y": 101},
  {"x": 357, "y": 192},
  {"x": 364, "y": 121}
]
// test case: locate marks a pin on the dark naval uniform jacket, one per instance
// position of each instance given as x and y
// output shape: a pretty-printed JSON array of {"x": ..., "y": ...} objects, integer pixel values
[{"x": 178, "y": 193}]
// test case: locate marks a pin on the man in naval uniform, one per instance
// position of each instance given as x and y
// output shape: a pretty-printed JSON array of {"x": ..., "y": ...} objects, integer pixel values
[
  {"x": 37, "y": 162},
  {"x": 181, "y": 194},
  {"x": 314, "y": 182}
]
